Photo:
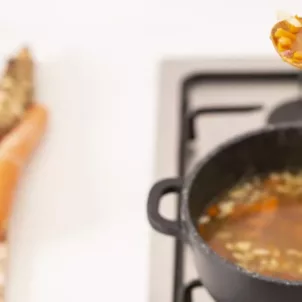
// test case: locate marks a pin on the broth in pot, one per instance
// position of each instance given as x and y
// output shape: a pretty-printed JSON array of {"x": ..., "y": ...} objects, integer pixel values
[{"x": 258, "y": 225}]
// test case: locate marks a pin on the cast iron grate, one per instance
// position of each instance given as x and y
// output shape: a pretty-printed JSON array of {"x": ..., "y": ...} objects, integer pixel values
[{"x": 182, "y": 292}]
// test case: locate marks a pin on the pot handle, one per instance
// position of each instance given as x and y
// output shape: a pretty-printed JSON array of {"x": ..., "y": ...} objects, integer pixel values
[{"x": 159, "y": 223}]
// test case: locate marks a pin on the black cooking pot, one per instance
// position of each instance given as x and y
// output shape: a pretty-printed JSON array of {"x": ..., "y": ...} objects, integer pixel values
[{"x": 255, "y": 153}]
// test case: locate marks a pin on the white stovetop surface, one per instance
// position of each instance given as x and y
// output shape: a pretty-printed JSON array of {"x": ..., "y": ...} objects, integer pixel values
[{"x": 79, "y": 231}]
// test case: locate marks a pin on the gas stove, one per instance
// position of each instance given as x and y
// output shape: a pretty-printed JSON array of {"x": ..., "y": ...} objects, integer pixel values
[{"x": 202, "y": 104}]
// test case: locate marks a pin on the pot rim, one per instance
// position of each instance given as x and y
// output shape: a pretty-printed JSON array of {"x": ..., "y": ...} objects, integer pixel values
[{"x": 190, "y": 179}]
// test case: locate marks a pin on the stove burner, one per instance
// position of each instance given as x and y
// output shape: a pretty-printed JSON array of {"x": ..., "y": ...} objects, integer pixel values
[
  {"x": 287, "y": 112},
  {"x": 188, "y": 133}
]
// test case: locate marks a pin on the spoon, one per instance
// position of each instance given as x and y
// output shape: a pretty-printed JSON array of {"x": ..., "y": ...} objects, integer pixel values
[{"x": 286, "y": 36}]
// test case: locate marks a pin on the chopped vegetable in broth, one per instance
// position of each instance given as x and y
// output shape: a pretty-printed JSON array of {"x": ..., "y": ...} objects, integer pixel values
[{"x": 258, "y": 225}]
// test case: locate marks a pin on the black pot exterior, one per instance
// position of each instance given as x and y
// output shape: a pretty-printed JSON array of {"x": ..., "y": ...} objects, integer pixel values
[
  {"x": 227, "y": 283},
  {"x": 255, "y": 153}
]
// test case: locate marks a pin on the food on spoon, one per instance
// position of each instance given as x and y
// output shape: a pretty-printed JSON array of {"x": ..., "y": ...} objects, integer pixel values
[
  {"x": 258, "y": 224},
  {"x": 286, "y": 36}
]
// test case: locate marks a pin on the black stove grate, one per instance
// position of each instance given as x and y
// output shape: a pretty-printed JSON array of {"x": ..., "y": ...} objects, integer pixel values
[
  {"x": 188, "y": 290},
  {"x": 182, "y": 292}
]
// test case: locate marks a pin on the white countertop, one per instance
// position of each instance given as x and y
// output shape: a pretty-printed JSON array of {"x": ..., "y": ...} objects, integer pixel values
[{"x": 79, "y": 228}]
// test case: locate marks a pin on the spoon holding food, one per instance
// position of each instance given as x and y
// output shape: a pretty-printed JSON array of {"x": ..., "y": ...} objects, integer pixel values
[{"x": 286, "y": 36}]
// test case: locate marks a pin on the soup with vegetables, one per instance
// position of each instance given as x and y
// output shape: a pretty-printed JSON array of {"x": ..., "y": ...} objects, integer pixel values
[{"x": 258, "y": 225}]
